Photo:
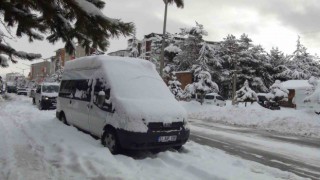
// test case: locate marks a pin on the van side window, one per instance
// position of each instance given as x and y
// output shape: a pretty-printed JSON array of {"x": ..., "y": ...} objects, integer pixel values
[
  {"x": 67, "y": 89},
  {"x": 82, "y": 90},
  {"x": 107, "y": 105},
  {"x": 75, "y": 89}
]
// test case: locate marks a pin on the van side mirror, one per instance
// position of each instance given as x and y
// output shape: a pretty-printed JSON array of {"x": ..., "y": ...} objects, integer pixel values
[{"x": 101, "y": 98}]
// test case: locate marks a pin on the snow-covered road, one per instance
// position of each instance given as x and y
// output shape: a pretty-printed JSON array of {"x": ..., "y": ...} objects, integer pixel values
[
  {"x": 300, "y": 155},
  {"x": 35, "y": 145}
]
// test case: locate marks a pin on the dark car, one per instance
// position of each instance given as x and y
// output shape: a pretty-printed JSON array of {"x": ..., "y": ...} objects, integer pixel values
[{"x": 264, "y": 102}]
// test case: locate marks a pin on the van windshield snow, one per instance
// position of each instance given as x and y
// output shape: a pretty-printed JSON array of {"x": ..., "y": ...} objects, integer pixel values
[
  {"x": 144, "y": 87},
  {"x": 50, "y": 89}
]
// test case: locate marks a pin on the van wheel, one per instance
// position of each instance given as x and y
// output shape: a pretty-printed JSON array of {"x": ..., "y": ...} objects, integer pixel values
[
  {"x": 64, "y": 119},
  {"x": 40, "y": 106},
  {"x": 178, "y": 148},
  {"x": 109, "y": 139}
]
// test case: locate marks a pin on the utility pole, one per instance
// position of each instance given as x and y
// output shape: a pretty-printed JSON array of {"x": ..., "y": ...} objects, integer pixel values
[
  {"x": 163, "y": 37},
  {"x": 234, "y": 86}
]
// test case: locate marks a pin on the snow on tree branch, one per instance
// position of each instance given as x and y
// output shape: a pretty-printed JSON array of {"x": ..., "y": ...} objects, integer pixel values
[{"x": 245, "y": 93}]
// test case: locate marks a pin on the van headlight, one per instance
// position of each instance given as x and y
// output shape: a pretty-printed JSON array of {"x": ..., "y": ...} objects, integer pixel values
[{"x": 45, "y": 97}]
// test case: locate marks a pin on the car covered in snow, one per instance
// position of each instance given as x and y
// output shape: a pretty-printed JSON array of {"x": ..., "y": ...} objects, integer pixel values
[
  {"x": 22, "y": 91},
  {"x": 45, "y": 96},
  {"x": 215, "y": 99},
  {"x": 123, "y": 101}
]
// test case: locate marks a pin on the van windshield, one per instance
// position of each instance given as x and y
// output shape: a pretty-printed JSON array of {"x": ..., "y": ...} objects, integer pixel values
[
  {"x": 144, "y": 87},
  {"x": 50, "y": 89},
  {"x": 209, "y": 97},
  {"x": 220, "y": 98}
]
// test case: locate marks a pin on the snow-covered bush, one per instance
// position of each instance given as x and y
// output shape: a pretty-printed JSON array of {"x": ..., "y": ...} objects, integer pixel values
[
  {"x": 175, "y": 87},
  {"x": 57, "y": 76},
  {"x": 313, "y": 82},
  {"x": 313, "y": 92},
  {"x": 278, "y": 92},
  {"x": 245, "y": 94},
  {"x": 202, "y": 86}
]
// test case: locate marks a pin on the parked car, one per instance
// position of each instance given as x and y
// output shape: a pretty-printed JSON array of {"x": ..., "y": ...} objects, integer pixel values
[
  {"x": 11, "y": 87},
  {"x": 264, "y": 102},
  {"x": 123, "y": 101},
  {"x": 22, "y": 91},
  {"x": 46, "y": 95},
  {"x": 215, "y": 99}
]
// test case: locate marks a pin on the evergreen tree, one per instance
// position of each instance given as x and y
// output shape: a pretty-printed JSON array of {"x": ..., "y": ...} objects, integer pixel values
[
  {"x": 57, "y": 76},
  {"x": 65, "y": 20},
  {"x": 245, "y": 94},
  {"x": 203, "y": 85},
  {"x": 175, "y": 87},
  {"x": 190, "y": 47},
  {"x": 302, "y": 64},
  {"x": 134, "y": 46},
  {"x": 278, "y": 92},
  {"x": 314, "y": 83},
  {"x": 279, "y": 63}
]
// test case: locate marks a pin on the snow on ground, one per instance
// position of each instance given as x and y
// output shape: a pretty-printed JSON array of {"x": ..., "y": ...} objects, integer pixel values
[
  {"x": 286, "y": 120},
  {"x": 35, "y": 145}
]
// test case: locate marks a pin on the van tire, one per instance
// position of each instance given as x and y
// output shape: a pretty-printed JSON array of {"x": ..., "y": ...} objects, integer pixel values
[
  {"x": 178, "y": 148},
  {"x": 40, "y": 106},
  {"x": 110, "y": 140},
  {"x": 64, "y": 119}
]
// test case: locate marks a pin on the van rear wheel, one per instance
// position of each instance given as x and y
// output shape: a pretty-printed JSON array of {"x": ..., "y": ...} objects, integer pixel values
[
  {"x": 64, "y": 120},
  {"x": 110, "y": 140}
]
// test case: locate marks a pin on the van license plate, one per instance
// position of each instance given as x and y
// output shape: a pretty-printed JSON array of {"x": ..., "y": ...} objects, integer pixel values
[{"x": 167, "y": 138}]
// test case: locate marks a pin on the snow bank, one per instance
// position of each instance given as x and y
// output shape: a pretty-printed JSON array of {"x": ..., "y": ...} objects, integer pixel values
[{"x": 286, "y": 120}]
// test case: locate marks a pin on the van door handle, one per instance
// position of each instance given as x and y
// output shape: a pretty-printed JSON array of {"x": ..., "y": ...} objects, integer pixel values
[
  {"x": 70, "y": 102},
  {"x": 89, "y": 106}
]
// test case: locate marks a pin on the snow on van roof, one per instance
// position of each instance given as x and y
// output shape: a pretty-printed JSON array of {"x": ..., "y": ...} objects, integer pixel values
[
  {"x": 92, "y": 62},
  {"x": 296, "y": 84},
  {"x": 50, "y": 84},
  {"x": 137, "y": 90}
]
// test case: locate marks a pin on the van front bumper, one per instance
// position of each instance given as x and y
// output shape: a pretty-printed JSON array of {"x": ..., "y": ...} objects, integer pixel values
[
  {"x": 150, "y": 140},
  {"x": 50, "y": 103}
]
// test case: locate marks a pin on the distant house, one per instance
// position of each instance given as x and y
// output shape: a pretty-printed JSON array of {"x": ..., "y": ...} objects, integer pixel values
[
  {"x": 39, "y": 71},
  {"x": 184, "y": 77},
  {"x": 297, "y": 93},
  {"x": 121, "y": 53}
]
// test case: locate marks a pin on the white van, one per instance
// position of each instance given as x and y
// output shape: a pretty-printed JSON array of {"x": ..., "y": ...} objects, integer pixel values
[
  {"x": 45, "y": 96},
  {"x": 123, "y": 101},
  {"x": 215, "y": 99}
]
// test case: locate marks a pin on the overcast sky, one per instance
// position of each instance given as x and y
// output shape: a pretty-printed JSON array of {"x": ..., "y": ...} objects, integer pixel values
[{"x": 271, "y": 23}]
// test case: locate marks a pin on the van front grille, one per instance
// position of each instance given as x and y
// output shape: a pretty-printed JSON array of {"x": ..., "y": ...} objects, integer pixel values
[{"x": 159, "y": 126}]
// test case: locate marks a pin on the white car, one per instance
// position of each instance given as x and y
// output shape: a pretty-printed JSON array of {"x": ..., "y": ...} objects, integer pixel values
[
  {"x": 215, "y": 99},
  {"x": 22, "y": 91},
  {"x": 46, "y": 95}
]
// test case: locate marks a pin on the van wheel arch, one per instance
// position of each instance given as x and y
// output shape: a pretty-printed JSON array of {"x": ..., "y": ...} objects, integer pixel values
[
  {"x": 63, "y": 118},
  {"x": 109, "y": 130}
]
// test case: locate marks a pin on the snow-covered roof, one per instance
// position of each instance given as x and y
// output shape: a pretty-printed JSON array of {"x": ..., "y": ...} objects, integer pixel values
[{"x": 296, "y": 84}]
